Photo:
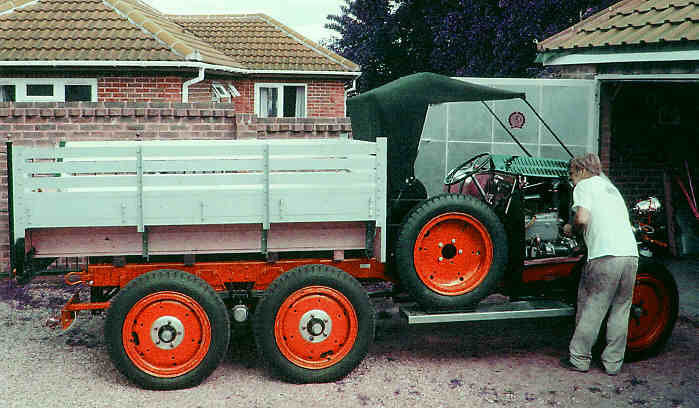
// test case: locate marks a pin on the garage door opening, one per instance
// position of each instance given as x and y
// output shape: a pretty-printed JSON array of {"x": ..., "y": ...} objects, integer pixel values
[{"x": 654, "y": 130}]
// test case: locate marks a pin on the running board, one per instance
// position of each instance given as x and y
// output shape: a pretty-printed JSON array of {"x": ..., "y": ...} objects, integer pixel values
[{"x": 511, "y": 310}]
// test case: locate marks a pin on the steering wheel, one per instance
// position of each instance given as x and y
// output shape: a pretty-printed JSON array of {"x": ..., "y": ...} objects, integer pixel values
[{"x": 466, "y": 168}]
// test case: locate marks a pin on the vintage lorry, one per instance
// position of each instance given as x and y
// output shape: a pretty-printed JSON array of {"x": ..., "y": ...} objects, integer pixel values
[{"x": 186, "y": 242}]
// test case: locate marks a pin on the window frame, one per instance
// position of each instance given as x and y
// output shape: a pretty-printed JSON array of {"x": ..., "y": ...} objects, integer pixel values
[
  {"x": 233, "y": 90},
  {"x": 219, "y": 91},
  {"x": 59, "y": 90},
  {"x": 280, "y": 96}
]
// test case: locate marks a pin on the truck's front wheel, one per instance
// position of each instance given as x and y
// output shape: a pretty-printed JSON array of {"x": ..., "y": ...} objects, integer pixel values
[
  {"x": 451, "y": 252},
  {"x": 314, "y": 324},
  {"x": 167, "y": 329}
]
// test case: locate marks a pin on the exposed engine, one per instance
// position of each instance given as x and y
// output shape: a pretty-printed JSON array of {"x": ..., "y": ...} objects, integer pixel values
[
  {"x": 543, "y": 238},
  {"x": 546, "y": 205}
]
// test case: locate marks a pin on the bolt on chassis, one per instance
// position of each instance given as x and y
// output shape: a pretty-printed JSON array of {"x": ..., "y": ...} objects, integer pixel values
[{"x": 185, "y": 243}]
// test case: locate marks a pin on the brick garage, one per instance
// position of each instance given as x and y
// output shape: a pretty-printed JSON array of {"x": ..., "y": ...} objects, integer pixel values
[
  {"x": 50, "y": 123},
  {"x": 649, "y": 116}
]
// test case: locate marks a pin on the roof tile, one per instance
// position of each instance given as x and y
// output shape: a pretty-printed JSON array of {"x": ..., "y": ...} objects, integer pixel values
[
  {"x": 120, "y": 30},
  {"x": 631, "y": 22},
  {"x": 261, "y": 42}
]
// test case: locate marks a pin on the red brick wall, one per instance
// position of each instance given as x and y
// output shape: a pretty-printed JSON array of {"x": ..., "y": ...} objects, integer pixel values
[
  {"x": 139, "y": 89},
  {"x": 50, "y": 123},
  {"x": 325, "y": 98},
  {"x": 245, "y": 103}
]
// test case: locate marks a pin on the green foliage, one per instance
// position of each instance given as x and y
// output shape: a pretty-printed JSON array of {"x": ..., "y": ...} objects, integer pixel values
[{"x": 394, "y": 38}]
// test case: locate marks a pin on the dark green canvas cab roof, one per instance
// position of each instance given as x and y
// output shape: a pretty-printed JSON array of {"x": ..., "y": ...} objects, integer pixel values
[{"x": 397, "y": 111}]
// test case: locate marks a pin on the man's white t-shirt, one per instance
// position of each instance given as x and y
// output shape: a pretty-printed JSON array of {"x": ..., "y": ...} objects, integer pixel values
[{"x": 609, "y": 230}]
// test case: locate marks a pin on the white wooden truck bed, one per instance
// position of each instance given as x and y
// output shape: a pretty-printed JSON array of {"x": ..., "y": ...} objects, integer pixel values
[{"x": 198, "y": 196}]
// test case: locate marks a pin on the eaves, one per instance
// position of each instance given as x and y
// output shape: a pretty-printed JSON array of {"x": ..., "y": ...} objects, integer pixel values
[{"x": 686, "y": 51}]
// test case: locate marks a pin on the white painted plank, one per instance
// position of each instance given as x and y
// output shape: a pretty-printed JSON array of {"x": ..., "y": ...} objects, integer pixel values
[
  {"x": 150, "y": 181},
  {"x": 307, "y": 163},
  {"x": 202, "y": 165},
  {"x": 116, "y": 166}
]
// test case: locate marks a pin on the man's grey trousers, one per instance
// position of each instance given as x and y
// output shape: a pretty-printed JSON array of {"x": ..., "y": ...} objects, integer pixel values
[{"x": 606, "y": 285}]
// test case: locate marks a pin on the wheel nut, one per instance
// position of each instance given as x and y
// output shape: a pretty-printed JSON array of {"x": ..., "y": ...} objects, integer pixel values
[
  {"x": 441, "y": 245},
  {"x": 453, "y": 240},
  {"x": 441, "y": 259},
  {"x": 461, "y": 251}
]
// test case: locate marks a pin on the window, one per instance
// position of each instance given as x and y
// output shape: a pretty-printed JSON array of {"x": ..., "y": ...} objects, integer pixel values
[
  {"x": 219, "y": 92},
  {"x": 76, "y": 93},
  {"x": 234, "y": 92},
  {"x": 7, "y": 93},
  {"x": 39, "y": 90},
  {"x": 48, "y": 89},
  {"x": 280, "y": 100}
]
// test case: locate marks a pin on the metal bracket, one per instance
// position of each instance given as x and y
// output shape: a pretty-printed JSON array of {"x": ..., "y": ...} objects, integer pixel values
[
  {"x": 370, "y": 238},
  {"x": 189, "y": 259},
  {"x": 144, "y": 243},
  {"x": 263, "y": 242},
  {"x": 119, "y": 261}
]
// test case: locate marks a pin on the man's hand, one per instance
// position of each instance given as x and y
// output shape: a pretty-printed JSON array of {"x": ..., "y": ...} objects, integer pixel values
[{"x": 568, "y": 230}]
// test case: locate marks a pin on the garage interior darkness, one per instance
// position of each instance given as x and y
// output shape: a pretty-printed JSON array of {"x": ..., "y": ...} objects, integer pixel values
[{"x": 654, "y": 136}]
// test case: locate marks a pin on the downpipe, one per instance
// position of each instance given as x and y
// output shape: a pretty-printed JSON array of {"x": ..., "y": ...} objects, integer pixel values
[{"x": 187, "y": 84}]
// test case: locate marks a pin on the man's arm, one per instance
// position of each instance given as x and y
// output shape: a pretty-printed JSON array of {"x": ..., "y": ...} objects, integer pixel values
[
  {"x": 580, "y": 221},
  {"x": 582, "y": 218}
]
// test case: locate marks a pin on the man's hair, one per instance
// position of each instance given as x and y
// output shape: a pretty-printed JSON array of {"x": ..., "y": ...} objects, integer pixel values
[{"x": 589, "y": 162}]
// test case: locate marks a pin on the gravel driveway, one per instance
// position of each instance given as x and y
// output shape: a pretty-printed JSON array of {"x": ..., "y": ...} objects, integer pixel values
[{"x": 488, "y": 364}]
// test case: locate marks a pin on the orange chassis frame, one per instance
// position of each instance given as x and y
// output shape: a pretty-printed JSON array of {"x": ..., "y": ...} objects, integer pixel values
[
  {"x": 217, "y": 274},
  {"x": 260, "y": 274}
]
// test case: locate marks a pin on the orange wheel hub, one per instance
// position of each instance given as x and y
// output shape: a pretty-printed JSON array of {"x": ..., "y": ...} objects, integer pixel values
[
  {"x": 166, "y": 334},
  {"x": 453, "y": 253},
  {"x": 649, "y": 315},
  {"x": 316, "y": 327}
]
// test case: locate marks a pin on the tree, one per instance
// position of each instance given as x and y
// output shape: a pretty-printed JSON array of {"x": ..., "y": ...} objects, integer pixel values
[{"x": 390, "y": 39}]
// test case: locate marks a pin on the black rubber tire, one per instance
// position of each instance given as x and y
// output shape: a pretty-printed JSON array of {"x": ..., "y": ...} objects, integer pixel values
[
  {"x": 659, "y": 275},
  {"x": 423, "y": 214},
  {"x": 173, "y": 281},
  {"x": 286, "y": 285}
]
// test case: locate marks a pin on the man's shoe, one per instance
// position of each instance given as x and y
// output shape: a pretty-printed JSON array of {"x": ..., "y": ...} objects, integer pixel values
[
  {"x": 565, "y": 363},
  {"x": 612, "y": 372}
]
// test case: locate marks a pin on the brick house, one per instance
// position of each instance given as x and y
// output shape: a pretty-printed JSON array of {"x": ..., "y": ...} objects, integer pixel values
[
  {"x": 126, "y": 51},
  {"x": 119, "y": 69},
  {"x": 644, "y": 55}
]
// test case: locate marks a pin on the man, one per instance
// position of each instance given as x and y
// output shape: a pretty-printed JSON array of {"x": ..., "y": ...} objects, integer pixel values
[{"x": 608, "y": 279}]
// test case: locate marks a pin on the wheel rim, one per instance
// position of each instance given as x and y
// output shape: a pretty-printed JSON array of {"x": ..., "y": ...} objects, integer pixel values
[
  {"x": 316, "y": 327},
  {"x": 453, "y": 253},
  {"x": 166, "y": 334},
  {"x": 650, "y": 313}
]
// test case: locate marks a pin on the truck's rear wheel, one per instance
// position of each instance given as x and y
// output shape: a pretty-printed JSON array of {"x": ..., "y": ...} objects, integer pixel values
[
  {"x": 167, "y": 329},
  {"x": 314, "y": 324},
  {"x": 653, "y": 311},
  {"x": 451, "y": 252}
]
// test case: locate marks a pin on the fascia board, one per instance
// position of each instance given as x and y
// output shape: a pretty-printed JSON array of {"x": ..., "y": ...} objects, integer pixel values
[
  {"x": 183, "y": 64},
  {"x": 608, "y": 57}
]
